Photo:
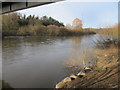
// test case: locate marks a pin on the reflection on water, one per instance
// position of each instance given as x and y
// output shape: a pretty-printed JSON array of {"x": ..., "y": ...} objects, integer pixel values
[
  {"x": 38, "y": 62},
  {"x": 83, "y": 51}
]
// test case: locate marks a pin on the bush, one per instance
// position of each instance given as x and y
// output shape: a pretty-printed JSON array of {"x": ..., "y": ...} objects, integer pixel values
[
  {"x": 53, "y": 30},
  {"x": 14, "y": 24},
  {"x": 32, "y": 30},
  {"x": 39, "y": 30}
]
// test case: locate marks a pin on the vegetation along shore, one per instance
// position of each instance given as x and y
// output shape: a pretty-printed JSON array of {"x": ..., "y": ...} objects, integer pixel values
[
  {"x": 105, "y": 73},
  {"x": 16, "y": 25}
]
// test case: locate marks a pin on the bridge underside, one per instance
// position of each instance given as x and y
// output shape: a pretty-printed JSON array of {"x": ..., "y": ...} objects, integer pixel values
[{"x": 14, "y": 6}]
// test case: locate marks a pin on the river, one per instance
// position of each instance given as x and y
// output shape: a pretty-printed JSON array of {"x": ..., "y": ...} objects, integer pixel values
[{"x": 39, "y": 62}]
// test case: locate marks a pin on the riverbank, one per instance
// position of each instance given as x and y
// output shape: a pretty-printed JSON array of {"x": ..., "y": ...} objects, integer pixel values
[
  {"x": 103, "y": 75},
  {"x": 40, "y": 48},
  {"x": 15, "y": 24},
  {"x": 50, "y": 30}
]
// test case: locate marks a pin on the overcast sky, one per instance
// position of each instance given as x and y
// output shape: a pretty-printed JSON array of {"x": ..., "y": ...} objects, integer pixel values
[{"x": 93, "y": 14}]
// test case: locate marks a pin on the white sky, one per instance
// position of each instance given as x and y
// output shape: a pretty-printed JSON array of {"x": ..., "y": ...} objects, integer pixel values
[{"x": 93, "y": 14}]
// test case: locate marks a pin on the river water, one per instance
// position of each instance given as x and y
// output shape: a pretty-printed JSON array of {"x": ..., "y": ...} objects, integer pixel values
[{"x": 39, "y": 62}]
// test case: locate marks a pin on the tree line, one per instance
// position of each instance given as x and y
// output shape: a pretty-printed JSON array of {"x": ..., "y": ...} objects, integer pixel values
[
  {"x": 14, "y": 24},
  {"x": 11, "y": 23}
]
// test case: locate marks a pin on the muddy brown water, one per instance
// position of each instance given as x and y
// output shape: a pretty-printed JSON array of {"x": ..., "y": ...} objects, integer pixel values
[{"x": 38, "y": 62}]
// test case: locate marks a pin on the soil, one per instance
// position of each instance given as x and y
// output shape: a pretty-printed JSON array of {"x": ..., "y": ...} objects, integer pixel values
[{"x": 104, "y": 74}]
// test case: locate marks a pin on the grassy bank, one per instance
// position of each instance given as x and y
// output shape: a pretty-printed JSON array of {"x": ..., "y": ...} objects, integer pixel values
[
  {"x": 14, "y": 24},
  {"x": 50, "y": 30},
  {"x": 112, "y": 31},
  {"x": 105, "y": 72}
]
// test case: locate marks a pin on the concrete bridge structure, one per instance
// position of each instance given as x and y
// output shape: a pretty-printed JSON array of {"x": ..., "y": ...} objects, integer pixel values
[{"x": 15, "y": 5}]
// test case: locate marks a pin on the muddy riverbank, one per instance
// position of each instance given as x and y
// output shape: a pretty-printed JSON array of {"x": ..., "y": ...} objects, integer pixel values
[{"x": 103, "y": 75}]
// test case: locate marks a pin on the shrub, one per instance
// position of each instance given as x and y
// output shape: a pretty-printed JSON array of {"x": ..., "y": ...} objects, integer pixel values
[{"x": 53, "y": 30}]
